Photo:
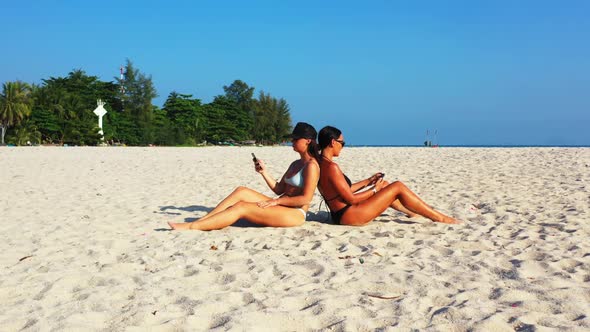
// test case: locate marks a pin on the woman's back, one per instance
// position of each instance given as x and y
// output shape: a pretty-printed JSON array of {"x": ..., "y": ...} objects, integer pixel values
[{"x": 330, "y": 177}]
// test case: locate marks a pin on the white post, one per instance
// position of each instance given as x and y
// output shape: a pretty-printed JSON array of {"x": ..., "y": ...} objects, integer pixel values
[{"x": 100, "y": 112}]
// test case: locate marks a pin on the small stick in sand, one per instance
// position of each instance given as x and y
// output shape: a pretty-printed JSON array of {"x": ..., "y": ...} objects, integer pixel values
[
  {"x": 22, "y": 259},
  {"x": 383, "y": 297}
]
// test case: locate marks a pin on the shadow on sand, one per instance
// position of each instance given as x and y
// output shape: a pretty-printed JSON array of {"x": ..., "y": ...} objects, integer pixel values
[
  {"x": 190, "y": 208},
  {"x": 322, "y": 217}
]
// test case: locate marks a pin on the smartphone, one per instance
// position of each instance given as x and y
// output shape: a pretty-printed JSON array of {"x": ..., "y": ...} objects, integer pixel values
[{"x": 256, "y": 164}]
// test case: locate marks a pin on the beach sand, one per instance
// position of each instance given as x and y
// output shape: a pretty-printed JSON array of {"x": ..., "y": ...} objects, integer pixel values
[{"x": 85, "y": 245}]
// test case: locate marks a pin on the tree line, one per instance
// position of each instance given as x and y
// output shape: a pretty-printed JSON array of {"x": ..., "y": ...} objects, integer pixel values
[{"x": 60, "y": 111}]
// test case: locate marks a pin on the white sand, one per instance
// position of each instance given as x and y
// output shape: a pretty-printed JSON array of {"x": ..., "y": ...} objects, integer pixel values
[{"x": 93, "y": 221}]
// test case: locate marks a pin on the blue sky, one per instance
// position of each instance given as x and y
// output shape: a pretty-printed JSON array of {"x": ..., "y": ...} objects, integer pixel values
[{"x": 479, "y": 72}]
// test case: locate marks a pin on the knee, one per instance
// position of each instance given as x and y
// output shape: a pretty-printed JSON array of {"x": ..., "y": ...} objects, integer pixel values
[
  {"x": 240, "y": 190},
  {"x": 395, "y": 187},
  {"x": 397, "y": 184},
  {"x": 239, "y": 205},
  {"x": 238, "y": 209}
]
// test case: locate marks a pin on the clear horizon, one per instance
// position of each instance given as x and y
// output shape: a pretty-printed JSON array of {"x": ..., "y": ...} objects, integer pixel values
[{"x": 479, "y": 73}]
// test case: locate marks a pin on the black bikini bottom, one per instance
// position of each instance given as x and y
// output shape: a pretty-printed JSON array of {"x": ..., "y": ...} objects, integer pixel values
[{"x": 336, "y": 216}]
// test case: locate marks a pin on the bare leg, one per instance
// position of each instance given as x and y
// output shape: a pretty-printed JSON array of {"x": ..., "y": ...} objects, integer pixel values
[
  {"x": 275, "y": 216},
  {"x": 368, "y": 210},
  {"x": 397, "y": 205},
  {"x": 238, "y": 195}
]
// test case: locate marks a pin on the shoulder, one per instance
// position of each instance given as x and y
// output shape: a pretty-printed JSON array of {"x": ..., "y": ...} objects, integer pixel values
[
  {"x": 312, "y": 162},
  {"x": 312, "y": 165},
  {"x": 330, "y": 168}
]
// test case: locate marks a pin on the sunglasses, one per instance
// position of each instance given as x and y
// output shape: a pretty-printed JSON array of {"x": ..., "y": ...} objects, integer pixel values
[{"x": 341, "y": 142}]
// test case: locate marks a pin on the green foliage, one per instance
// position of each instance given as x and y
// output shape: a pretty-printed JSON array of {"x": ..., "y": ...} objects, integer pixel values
[
  {"x": 239, "y": 94},
  {"x": 120, "y": 127},
  {"x": 163, "y": 128},
  {"x": 47, "y": 124},
  {"x": 233, "y": 122},
  {"x": 272, "y": 122},
  {"x": 185, "y": 117},
  {"x": 61, "y": 110},
  {"x": 15, "y": 105},
  {"x": 218, "y": 126},
  {"x": 136, "y": 98},
  {"x": 25, "y": 132}
]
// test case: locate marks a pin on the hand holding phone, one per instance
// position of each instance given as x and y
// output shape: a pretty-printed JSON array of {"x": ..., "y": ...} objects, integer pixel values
[
  {"x": 258, "y": 165},
  {"x": 376, "y": 178}
]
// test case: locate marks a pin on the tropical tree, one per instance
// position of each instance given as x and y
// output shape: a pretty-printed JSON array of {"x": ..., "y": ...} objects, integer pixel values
[
  {"x": 25, "y": 132},
  {"x": 163, "y": 128},
  {"x": 60, "y": 110},
  {"x": 240, "y": 106},
  {"x": 272, "y": 119},
  {"x": 63, "y": 107},
  {"x": 186, "y": 116},
  {"x": 137, "y": 93},
  {"x": 15, "y": 105},
  {"x": 235, "y": 123}
]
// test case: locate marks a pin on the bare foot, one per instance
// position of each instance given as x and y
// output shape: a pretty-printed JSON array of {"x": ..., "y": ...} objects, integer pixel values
[
  {"x": 449, "y": 220},
  {"x": 178, "y": 226}
]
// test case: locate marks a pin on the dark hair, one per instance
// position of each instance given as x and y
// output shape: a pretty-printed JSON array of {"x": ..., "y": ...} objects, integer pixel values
[
  {"x": 304, "y": 130},
  {"x": 307, "y": 131},
  {"x": 326, "y": 135},
  {"x": 313, "y": 149}
]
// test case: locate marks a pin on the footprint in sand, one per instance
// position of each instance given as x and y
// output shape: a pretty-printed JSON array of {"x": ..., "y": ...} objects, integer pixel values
[
  {"x": 226, "y": 279},
  {"x": 220, "y": 322}
]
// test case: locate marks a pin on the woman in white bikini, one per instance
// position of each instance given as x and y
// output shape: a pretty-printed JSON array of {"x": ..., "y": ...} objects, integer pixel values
[{"x": 295, "y": 190}]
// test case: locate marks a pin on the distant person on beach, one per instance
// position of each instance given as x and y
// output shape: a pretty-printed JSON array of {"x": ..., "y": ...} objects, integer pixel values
[
  {"x": 295, "y": 190},
  {"x": 351, "y": 206}
]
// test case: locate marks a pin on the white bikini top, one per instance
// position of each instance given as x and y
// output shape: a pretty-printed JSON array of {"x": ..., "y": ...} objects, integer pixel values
[{"x": 296, "y": 180}]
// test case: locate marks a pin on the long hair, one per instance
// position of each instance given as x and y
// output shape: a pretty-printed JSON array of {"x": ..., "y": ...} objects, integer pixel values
[
  {"x": 307, "y": 131},
  {"x": 326, "y": 135},
  {"x": 313, "y": 150}
]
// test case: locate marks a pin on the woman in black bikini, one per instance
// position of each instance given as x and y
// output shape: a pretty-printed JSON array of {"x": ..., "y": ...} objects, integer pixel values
[
  {"x": 348, "y": 206},
  {"x": 295, "y": 188}
]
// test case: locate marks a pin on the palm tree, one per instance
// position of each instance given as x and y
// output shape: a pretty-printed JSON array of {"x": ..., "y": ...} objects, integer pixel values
[
  {"x": 15, "y": 104},
  {"x": 27, "y": 132}
]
